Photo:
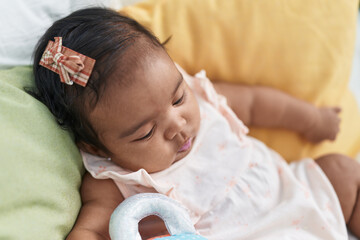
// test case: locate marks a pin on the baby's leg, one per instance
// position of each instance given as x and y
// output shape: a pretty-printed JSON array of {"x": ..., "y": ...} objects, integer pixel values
[{"x": 344, "y": 174}]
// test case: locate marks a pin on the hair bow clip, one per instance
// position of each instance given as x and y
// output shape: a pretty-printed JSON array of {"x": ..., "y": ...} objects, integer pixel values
[{"x": 73, "y": 67}]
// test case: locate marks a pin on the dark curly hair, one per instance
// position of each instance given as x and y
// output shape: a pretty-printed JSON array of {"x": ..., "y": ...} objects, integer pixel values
[{"x": 99, "y": 33}]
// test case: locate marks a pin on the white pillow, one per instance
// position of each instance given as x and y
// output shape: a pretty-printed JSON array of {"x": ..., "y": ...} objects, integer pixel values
[
  {"x": 23, "y": 22},
  {"x": 117, "y": 4}
]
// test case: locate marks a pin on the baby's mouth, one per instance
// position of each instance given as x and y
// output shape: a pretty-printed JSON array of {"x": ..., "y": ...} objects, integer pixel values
[{"x": 186, "y": 146}]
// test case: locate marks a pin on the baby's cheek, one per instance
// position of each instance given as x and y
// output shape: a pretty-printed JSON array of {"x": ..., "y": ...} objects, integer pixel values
[
  {"x": 195, "y": 114},
  {"x": 160, "y": 148},
  {"x": 162, "y": 157}
]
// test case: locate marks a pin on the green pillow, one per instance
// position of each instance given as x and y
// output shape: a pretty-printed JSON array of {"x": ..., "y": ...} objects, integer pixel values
[{"x": 40, "y": 165}]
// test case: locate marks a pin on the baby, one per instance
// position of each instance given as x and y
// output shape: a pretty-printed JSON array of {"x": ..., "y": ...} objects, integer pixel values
[{"x": 144, "y": 125}]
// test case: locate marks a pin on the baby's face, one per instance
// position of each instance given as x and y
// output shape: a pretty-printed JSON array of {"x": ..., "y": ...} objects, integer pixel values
[{"x": 151, "y": 122}]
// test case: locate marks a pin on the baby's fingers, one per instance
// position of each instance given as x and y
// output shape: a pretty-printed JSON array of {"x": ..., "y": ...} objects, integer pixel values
[
  {"x": 337, "y": 109},
  {"x": 333, "y": 135}
]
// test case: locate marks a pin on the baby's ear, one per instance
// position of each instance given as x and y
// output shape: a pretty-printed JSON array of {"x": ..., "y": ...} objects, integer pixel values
[{"x": 91, "y": 149}]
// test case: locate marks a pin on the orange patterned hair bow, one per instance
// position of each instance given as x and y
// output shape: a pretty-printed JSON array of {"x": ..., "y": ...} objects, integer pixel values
[{"x": 70, "y": 65}]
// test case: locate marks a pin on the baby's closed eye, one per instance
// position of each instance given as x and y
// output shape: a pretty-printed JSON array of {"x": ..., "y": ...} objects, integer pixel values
[{"x": 148, "y": 135}]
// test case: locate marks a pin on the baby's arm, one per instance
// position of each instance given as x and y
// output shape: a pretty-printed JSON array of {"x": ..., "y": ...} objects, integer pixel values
[
  {"x": 268, "y": 107},
  {"x": 99, "y": 200}
]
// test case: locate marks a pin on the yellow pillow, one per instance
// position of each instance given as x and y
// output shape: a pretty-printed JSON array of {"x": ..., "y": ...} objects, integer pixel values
[{"x": 303, "y": 47}]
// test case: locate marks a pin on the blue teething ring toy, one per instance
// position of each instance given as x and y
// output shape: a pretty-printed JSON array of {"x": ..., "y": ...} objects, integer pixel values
[{"x": 126, "y": 217}]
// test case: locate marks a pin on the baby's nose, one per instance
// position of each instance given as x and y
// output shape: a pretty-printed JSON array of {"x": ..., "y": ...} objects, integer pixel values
[{"x": 175, "y": 127}]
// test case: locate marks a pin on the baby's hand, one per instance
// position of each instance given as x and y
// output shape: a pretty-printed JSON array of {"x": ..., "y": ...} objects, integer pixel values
[{"x": 326, "y": 125}]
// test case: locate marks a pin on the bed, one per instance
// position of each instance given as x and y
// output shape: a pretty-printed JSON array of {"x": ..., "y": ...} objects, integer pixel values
[{"x": 304, "y": 47}]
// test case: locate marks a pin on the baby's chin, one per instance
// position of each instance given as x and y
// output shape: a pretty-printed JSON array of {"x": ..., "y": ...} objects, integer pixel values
[{"x": 182, "y": 153}]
